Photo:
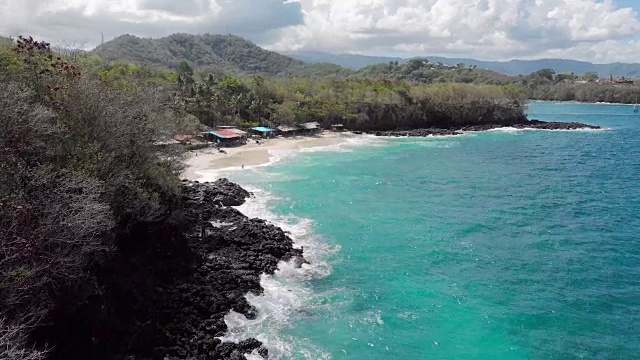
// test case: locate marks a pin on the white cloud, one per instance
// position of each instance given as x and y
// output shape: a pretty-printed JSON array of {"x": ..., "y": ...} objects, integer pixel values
[
  {"x": 490, "y": 29},
  {"x": 82, "y": 21},
  {"x": 593, "y": 30}
]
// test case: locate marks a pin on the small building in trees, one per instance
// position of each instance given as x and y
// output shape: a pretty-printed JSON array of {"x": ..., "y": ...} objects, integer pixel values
[
  {"x": 242, "y": 133},
  {"x": 310, "y": 128},
  {"x": 265, "y": 132},
  {"x": 287, "y": 130},
  {"x": 337, "y": 127},
  {"x": 226, "y": 137}
]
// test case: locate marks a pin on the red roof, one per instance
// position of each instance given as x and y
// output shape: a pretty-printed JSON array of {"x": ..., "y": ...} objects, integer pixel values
[{"x": 227, "y": 134}]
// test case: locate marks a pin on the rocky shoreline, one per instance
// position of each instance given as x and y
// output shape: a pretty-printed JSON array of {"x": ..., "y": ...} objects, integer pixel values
[
  {"x": 233, "y": 252},
  {"x": 166, "y": 296},
  {"x": 531, "y": 124}
]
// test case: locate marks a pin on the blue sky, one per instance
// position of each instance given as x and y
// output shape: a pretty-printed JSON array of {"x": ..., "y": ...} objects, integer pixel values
[
  {"x": 630, "y": 3},
  {"x": 592, "y": 30}
]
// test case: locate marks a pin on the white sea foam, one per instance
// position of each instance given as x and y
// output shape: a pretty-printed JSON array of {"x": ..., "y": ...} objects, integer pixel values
[
  {"x": 430, "y": 143},
  {"x": 425, "y": 137},
  {"x": 509, "y": 129},
  {"x": 348, "y": 145},
  {"x": 287, "y": 292}
]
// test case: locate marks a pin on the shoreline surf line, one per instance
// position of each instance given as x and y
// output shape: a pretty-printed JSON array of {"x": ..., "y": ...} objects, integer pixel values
[
  {"x": 251, "y": 154},
  {"x": 208, "y": 164},
  {"x": 287, "y": 291}
]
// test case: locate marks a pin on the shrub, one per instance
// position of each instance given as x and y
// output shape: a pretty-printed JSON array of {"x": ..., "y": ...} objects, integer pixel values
[{"x": 78, "y": 167}]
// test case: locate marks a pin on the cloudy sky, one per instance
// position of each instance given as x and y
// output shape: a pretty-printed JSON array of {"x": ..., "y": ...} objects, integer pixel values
[{"x": 592, "y": 30}]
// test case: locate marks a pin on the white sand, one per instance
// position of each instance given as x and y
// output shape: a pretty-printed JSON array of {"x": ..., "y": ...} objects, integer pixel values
[{"x": 253, "y": 154}]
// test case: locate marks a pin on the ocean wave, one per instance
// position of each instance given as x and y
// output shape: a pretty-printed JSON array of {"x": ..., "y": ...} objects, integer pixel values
[
  {"x": 509, "y": 129},
  {"x": 348, "y": 145},
  {"x": 279, "y": 155},
  {"x": 431, "y": 137},
  {"x": 429, "y": 143},
  {"x": 286, "y": 292}
]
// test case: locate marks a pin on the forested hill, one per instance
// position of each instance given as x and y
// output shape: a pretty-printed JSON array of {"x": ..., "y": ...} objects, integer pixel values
[
  {"x": 5, "y": 42},
  {"x": 202, "y": 51},
  {"x": 512, "y": 67},
  {"x": 425, "y": 71}
]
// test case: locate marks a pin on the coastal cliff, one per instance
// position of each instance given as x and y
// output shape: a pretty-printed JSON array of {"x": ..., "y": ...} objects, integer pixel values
[{"x": 165, "y": 295}]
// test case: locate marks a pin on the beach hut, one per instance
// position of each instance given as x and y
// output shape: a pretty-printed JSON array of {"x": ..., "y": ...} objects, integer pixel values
[
  {"x": 310, "y": 128},
  {"x": 287, "y": 130},
  {"x": 243, "y": 134},
  {"x": 226, "y": 137},
  {"x": 265, "y": 132},
  {"x": 337, "y": 127}
]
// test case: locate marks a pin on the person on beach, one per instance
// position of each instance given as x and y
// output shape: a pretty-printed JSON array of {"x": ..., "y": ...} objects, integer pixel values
[{"x": 243, "y": 166}]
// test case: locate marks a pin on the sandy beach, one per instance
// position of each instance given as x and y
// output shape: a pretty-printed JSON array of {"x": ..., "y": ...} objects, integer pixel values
[{"x": 253, "y": 154}]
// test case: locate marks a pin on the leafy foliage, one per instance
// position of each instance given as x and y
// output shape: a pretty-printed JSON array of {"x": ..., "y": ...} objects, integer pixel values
[
  {"x": 544, "y": 84},
  {"x": 425, "y": 71},
  {"x": 5, "y": 43},
  {"x": 78, "y": 168},
  {"x": 358, "y": 103}
]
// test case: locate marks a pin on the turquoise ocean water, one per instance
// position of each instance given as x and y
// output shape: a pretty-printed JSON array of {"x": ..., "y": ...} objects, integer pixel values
[{"x": 497, "y": 245}]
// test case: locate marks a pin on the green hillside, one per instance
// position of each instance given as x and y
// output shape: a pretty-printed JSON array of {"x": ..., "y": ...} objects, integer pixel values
[
  {"x": 202, "y": 51},
  {"x": 5, "y": 42}
]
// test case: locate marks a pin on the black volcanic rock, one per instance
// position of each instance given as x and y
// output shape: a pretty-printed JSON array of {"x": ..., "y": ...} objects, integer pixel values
[
  {"x": 418, "y": 132},
  {"x": 165, "y": 296},
  {"x": 226, "y": 193},
  {"x": 533, "y": 124},
  {"x": 537, "y": 124},
  {"x": 529, "y": 124}
]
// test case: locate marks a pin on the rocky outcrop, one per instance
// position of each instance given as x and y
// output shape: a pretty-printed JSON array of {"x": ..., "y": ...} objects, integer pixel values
[
  {"x": 418, "y": 132},
  {"x": 166, "y": 293},
  {"x": 534, "y": 124},
  {"x": 530, "y": 124},
  {"x": 224, "y": 192},
  {"x": 537, "y": 124}
]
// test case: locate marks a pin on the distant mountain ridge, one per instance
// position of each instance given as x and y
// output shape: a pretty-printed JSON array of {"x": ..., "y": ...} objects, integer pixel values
[
  {"x": 512, "y": 67},
  {"x": 230, "y": 52}
]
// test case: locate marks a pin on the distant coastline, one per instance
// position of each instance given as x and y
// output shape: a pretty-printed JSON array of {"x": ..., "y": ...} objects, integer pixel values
[{"x": 208, "y": 160}]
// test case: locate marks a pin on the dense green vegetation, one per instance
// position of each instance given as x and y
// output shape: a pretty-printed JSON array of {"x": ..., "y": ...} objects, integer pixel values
[
  {"x": 547, "y": 85},
  {"x": 426, "y": 72},
  {"x": 544, "y": 84},
  {"x": 78, "y": 168},
  {"x": 360, "y": 104}
]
